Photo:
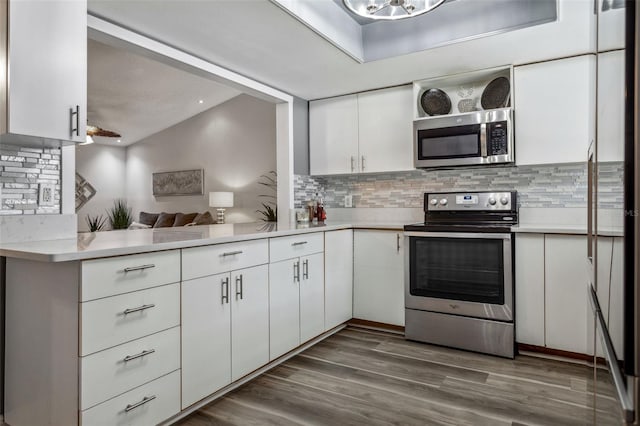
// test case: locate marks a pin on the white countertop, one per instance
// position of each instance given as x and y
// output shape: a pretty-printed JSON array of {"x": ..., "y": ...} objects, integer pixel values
[
  {"x": 565, "y": 229},
  {"x": 116, "y": 243}
]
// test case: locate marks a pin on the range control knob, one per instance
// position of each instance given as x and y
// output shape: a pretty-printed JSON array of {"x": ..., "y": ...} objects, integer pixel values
[
  {"x": 492, "y": 201},
  {"x": 504, "y": 201},
  {"x": 434, "y": 202},
  {"x": 443, "y": 202}
]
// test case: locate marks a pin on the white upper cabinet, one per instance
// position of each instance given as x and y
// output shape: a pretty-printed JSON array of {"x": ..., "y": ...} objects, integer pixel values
[
  {"x": 47, "y": 69},
  {"x": 555, "y": 110},
  {"x": 611, "y": 106},
  {"x": 611, "y": 24},
  {"x": 385, "y": 129},
  {"x": 333, "y": 135},
  {"x": 367, "y": 132}
]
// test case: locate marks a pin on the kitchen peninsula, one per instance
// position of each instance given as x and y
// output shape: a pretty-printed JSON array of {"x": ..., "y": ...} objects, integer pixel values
[{"x": 108, "y": 328}]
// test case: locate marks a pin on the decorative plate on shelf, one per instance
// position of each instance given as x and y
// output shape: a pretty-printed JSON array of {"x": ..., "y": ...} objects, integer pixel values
[
  {"x": 496, "y": 94},
  {"x": 435, "y": 102}
]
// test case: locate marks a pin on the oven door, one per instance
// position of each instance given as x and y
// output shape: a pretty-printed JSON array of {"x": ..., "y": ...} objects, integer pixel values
[{"x": 468, "y": 274}]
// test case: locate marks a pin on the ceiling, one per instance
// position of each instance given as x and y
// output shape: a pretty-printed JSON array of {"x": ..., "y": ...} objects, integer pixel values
[
  {"x": 136, "y": 96},
  {"x": 260, "y": 40}
]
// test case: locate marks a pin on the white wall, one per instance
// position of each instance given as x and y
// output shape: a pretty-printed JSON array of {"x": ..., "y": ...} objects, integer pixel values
[
  {"x": 104, "y": 166},
  {"x": 234, "y": 143}
]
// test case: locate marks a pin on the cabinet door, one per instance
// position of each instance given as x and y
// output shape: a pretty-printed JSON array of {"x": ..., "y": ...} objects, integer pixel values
[
  {"x": 566, "y": 299},
  {"x": 554, "y": 110},
  {"x": 378, "y": 284},
  {"x": 48, "y": 68},
  {"x": 385, "y": 129},
  {"x": 311, "y": 296},
  {"x": 530, "y": 289},
  {"x": 333, "y": 135},
  {"x": 249, "y": 320},
  {"x": 611, "y": 106},
  {"x": 206, "y": 337},
  {"x": 338, "y": 277},
  {"x": 284, "y": 307},
  {"x": 611, "y": 24}
]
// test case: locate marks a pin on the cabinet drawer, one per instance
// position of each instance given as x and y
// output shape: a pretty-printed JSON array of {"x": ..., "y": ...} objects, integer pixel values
[
  {"x": 163, "y": 401},
  {"x": 117, "y": 275},
  {"x": 282, "y": 248},
  {"x": 104, "y": 322},
  {"x": 114, "y": 371},
  {"x": 210, "y": 260}
]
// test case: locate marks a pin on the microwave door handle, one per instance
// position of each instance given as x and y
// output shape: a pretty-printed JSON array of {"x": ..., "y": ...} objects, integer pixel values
[{"x": 483, "y": 140}]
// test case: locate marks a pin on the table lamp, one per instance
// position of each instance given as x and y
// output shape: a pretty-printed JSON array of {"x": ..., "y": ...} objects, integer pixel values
[{"x": 221, "y": 200}]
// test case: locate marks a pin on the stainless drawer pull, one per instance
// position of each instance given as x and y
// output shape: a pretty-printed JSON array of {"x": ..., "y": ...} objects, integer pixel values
[
  {"x": 298, "y": 243},
  {"x": 139, "y": 403},
  {"x": 140, "y": 355},
  {"x": 231, "y": 253},
  {"x": 239, "y": 281},
  {"x": 305, "y": 269},
  {"x": 139, "y": 268},
  {"x": 138, "y": 309},
  {"x": 296, "y": 272},
  {"x": 225, "y": 286}
]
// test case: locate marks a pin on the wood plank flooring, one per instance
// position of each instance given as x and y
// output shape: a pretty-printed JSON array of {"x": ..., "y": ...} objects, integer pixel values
[{"x": 362, "y": 377}]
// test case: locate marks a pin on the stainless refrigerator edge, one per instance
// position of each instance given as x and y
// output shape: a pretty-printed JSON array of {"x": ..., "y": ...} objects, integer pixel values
[{"x": 615, "y": 327}]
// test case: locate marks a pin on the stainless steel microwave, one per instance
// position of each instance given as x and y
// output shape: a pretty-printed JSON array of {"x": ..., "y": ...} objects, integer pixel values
[{"x": 481, "y": 137}]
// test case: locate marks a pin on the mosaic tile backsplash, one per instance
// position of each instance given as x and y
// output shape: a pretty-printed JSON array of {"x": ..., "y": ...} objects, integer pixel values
[
  {"x": 22, "y": 170},
  {"x": 554, "y": 186}
]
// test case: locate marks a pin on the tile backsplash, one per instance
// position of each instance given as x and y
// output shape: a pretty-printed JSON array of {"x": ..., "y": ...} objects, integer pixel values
[
  {"x": 22, "y": 170},
  {"x": 554, "y": 186}
]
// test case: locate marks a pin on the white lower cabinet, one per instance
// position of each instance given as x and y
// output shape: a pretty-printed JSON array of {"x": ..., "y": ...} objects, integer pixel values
[
  {"x": 296, "y": 302},
  {"x": 378, "y": 284},
  {"x": 149, "y": 404},
  {"x": 311, "y": 297},
  {"x": 530, "y": 289},
  {"x": 567, "y": 309},
  {"x": 224, "y": 330},
  {"x": 338, "y": 277}
]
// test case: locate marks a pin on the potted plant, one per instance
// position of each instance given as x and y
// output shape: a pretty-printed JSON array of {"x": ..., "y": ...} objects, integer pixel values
[
  {"x": 269, "y": 212},
  {"x": 95, "y": 223},
  {"x": 119, "y": 215}
]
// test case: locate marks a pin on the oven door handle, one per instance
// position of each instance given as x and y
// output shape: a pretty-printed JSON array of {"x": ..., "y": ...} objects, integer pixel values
[{"x": 480, "y": 235}]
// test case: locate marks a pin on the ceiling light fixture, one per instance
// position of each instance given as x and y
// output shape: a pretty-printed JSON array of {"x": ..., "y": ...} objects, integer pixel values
[
  {"x": 119, "y": 140},
  {"x": 200, "y": 101},
  {"x": 391, "y": 9}
]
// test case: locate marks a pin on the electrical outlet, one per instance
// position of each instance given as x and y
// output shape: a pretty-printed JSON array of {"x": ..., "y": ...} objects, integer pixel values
[
  {"x": 348, "y": 200},
  {"x": 46, "y": 195}
]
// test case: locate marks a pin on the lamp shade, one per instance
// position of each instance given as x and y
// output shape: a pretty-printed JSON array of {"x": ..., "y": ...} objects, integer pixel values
[{"x": 221, "y": 199}]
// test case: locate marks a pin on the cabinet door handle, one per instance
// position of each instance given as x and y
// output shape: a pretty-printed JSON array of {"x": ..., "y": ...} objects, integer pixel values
[
  {"x": 140, "y": 355},
  {"x": 363, "y": 163},
  {"x": 231, "y": 253},
  {"x": 305, "y": 269},
  {"x": 138, "y": 309},
  {"x": 139, "y": 268},
  {"x": 75, "y": 114},
  {"x": 239, "y": 288},
  {"x": 398, "y": 243},
  {"x": 224, "y": 288},
  {"x": 353, "y": 167},
  {"x": 296, "y": 271},
  {"x": 139, "y": 403}
]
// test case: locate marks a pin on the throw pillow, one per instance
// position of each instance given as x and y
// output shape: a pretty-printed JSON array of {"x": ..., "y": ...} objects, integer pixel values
[
  {"x": 182, "y": 219},
  {"x": 203, "y": 219},
  {"x": 148, "y": 218},
  {"x": 165, "y": 220}
]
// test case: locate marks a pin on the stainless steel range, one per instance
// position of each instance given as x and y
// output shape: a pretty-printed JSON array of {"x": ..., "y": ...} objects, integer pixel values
[{"x": 459, "y": 277}]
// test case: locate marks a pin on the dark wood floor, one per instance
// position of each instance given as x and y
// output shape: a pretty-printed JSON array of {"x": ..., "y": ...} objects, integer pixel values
[{"x": 361, "y": 377}]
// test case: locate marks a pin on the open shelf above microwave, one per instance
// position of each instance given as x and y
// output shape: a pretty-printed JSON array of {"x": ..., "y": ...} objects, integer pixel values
[{"x": 463, "y": 93}]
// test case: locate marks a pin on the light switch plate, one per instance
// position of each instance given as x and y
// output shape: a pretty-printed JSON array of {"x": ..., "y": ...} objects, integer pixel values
[
  {"x": 348, "y": 200},
  {"x": 46, "y": 195}
]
